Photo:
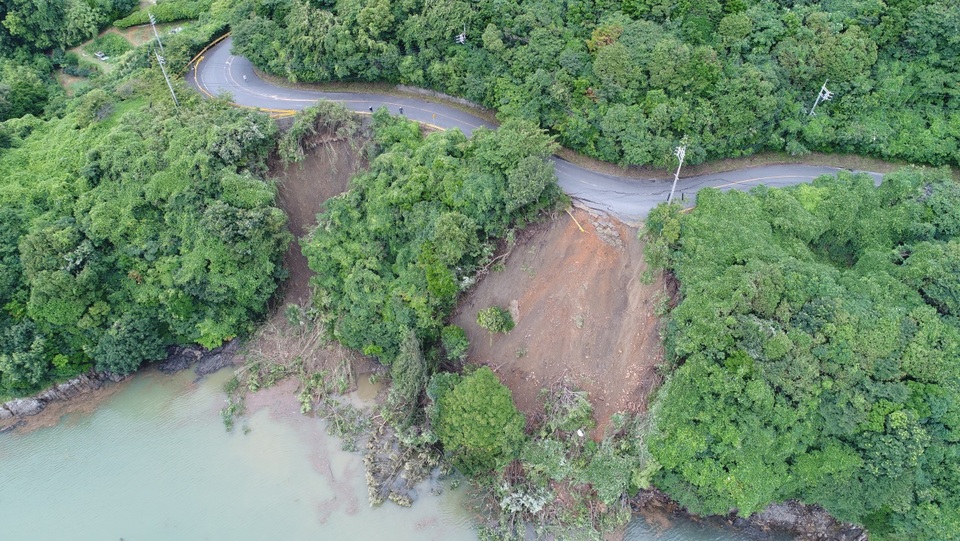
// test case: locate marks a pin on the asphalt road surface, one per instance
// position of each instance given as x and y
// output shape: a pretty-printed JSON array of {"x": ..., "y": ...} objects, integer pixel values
[{"x": 218, "y": 72}]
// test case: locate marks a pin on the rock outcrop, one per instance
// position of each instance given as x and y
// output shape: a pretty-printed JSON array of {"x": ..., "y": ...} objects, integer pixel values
[
  {"x": 218, "y": 358},
  {"x": 807, "y": 522},
  {"x": 24, "y": 407},
  {"x": 19, "y": 408},
  {"x": 180, "y": 358}
]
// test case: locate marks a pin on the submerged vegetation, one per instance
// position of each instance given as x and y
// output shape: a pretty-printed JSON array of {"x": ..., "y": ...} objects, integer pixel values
[
  {"x": 391, "y": 256},
  {"x": 816, "y": 349}
]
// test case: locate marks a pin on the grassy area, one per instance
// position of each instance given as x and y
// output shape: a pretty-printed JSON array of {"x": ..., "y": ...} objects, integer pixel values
[
  {"x": 110, "y": 44},
  {"x": 113, "y": 43}
]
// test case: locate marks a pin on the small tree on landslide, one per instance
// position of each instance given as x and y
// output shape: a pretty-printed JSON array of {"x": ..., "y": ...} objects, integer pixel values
[
  {"x": 495, "y": 319},
  {"x": 478, "y": 423}
]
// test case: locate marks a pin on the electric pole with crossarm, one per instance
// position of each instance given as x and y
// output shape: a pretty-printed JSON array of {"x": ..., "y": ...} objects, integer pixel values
[
  {"x": 824, "y": 95},
  {"x": 680, "y": 152}
]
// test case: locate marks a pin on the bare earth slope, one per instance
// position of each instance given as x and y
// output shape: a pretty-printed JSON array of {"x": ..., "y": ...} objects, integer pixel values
[
  {"x": 302, "y": 189},
  {"x": 582, "y": 314}
]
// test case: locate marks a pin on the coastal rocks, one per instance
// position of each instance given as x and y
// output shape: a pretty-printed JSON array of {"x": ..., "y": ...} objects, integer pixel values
[
  {"x": 84, "y": 383},
  {"x": 14, "y": 412},
  {"x": 218, "y": 358},
  {"x": 180, "y": 358},
  {"x": 19, "y": 408},
  {"x": 24, "y": 407},
  {"x": 808, "y": 522},
  {"x": 803, "y": 522}
]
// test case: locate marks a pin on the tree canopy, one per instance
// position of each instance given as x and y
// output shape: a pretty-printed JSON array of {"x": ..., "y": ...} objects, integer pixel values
[
  {"x": 625, "y": 81},
  {"x": 818, "y": 350},
  {"x": 128, "y": 226},
  {"x": 479, "y": 426},
  {"x": 393, "y": 253}
]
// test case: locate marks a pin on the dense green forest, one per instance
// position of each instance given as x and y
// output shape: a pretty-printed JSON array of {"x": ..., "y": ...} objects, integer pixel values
[
  {"x": 127, "y": 225},
  {"x": 624, "y": 81},
  {"x": 817, "y": 340},
  {"x": 814, "y": 350}
]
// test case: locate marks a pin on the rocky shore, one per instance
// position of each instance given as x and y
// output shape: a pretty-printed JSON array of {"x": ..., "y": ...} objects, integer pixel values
[
  {"x": 14, "y": 413},
  {"x": 803, "y": 522}
]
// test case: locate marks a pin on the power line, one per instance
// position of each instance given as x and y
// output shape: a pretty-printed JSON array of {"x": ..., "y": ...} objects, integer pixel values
[
  {"x": 161, "y": 61},
  {"x": 153, "y": 24}
]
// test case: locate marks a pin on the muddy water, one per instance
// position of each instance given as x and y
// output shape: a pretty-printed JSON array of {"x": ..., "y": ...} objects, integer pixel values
[{"x": 153, "y": 462}]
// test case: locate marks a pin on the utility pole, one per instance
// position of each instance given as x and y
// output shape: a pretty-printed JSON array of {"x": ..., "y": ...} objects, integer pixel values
[
  {"x": 824, "y": 95},
  {"x": 680, "y": 152},
  {"x": 462, "y": 38},
  {"x": 161, "y": 61}
]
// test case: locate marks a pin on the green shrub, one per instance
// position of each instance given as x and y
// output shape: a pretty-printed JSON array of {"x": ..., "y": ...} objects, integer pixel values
[
  {"x": 455, "y": 342},
  {"x": 109, "y": 44},
  {"x": 478, "y": 424},
  {"x": 495, "y": 319},
  {"x": 166, "y": 12}
]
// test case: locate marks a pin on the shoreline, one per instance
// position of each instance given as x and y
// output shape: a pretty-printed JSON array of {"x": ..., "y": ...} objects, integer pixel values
[
  {"x": 805, "y": 522},
  {"x": 84, "y": 393}
]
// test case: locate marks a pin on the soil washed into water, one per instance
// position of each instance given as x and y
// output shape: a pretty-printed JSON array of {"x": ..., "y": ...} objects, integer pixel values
[{"x": 153, "y": 462}]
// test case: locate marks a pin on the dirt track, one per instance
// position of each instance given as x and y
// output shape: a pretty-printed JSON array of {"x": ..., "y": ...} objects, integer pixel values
[{"x": 584, "y": 315}]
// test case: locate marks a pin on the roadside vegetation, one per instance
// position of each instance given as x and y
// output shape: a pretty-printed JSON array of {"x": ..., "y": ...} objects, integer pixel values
[
  {"x": 815, "y": 351},
  {"x": 625, "y": 81}
]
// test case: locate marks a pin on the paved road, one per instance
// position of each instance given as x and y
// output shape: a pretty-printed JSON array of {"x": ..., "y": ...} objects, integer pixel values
[{"x": 218, "y": 72}]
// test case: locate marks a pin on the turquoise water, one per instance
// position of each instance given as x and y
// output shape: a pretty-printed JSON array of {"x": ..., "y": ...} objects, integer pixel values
[{"x": 153, "y": 462}]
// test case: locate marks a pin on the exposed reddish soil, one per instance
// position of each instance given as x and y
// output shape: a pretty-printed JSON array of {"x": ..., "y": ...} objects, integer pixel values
[
  {"x": 582, "y": 313},
  {"x": 301, "y": 190},
  {"x": 303, "y": 187}
]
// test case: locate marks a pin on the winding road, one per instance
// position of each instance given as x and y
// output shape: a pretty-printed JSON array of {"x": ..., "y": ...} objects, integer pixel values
[{"x": 217, "y": 71}]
